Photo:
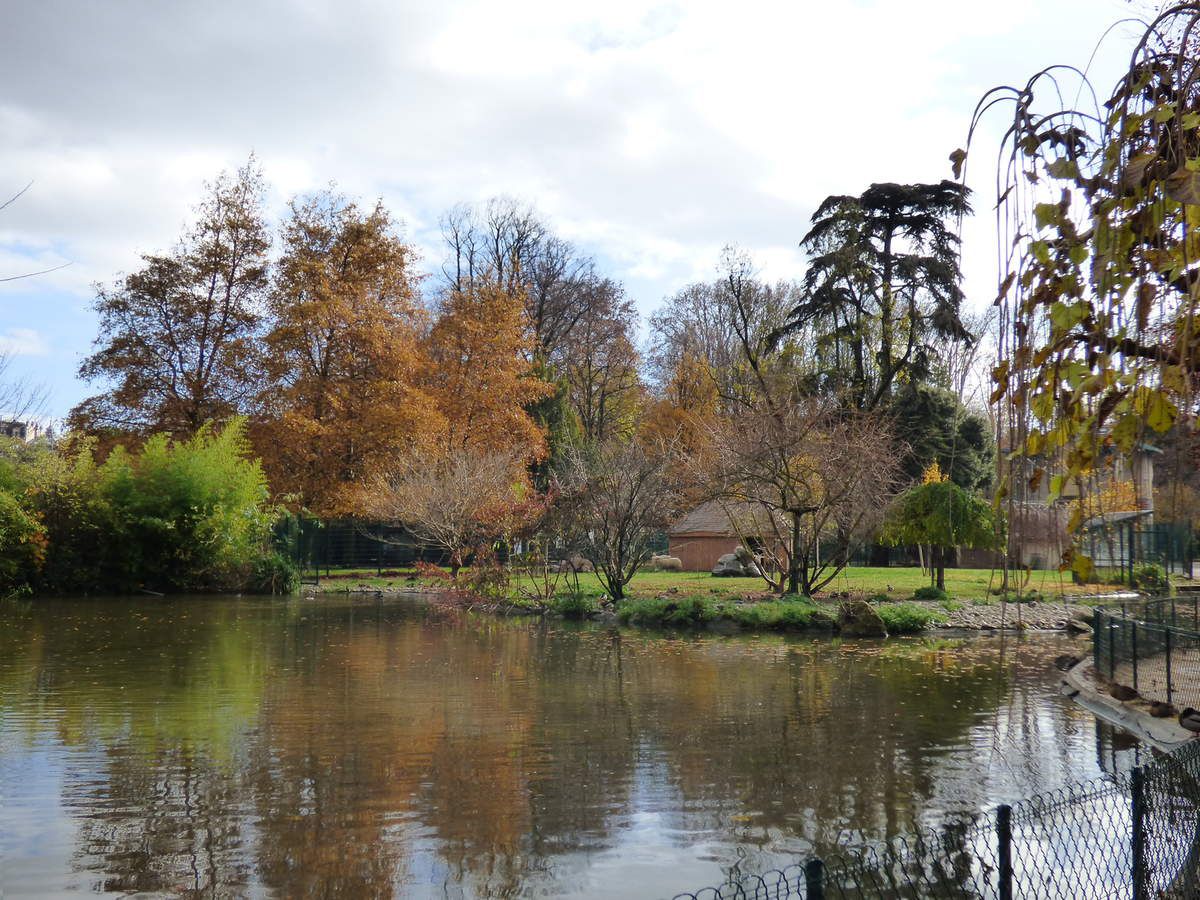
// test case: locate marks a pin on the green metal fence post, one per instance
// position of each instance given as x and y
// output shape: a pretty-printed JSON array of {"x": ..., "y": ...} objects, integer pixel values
[
  {"x": 814, "y": 880},
  {"x": 1169, "y": 686},
  {"x": 1004, "y": 850},
  {"x": 1138, "y": 815},
  {"x": 1112, "y": 653},
  {"x": 1134, "y": 652}
]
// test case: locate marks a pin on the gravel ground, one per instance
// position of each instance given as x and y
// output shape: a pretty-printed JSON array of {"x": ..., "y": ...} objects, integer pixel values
[{"x": 1041, "y": 616}]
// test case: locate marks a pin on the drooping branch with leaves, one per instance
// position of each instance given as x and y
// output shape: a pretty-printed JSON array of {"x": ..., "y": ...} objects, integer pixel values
[{"x": 1097, "y": 211}]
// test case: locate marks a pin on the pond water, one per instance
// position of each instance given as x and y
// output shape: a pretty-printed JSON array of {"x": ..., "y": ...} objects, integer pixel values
[{"x": 334, "y": 747}]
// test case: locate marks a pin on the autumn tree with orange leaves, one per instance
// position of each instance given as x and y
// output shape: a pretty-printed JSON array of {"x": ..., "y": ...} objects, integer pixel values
[
  {"x": 343, "y": 357},
  {"x": 480, "y": 376}
]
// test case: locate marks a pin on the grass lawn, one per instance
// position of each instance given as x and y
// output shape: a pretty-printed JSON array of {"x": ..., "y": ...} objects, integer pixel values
[{"x": 898, "y": 583}]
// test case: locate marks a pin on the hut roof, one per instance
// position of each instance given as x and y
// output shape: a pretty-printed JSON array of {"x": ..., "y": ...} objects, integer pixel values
[{"x": 712, "y": 518}]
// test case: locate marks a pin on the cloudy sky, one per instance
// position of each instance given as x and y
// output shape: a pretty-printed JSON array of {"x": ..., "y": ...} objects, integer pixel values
[{"x": 649, "y": 133}]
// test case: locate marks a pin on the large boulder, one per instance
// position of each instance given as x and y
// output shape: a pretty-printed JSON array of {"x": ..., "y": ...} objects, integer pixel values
[
  {"x": 732, "y": 565},
  {"x": 858, "y": 618},
  {"x": 728, "y": 565}
]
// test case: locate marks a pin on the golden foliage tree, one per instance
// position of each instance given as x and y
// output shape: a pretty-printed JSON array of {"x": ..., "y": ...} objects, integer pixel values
[
  {"x": 688, "y": 407},
  {"x": 343, "y": 357},
  {"x": 480, "y": 376}
]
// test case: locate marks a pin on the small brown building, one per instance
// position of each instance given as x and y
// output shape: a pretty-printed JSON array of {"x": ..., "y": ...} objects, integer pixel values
[{"x": 705, "y": 534}]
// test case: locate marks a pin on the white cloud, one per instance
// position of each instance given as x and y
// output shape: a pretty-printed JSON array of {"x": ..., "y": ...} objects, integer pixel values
[
  {"x": 652, "y": 133},
  {"x": 22, "y": 342}
]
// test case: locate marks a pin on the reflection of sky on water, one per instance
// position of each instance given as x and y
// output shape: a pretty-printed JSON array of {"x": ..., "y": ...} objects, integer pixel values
[{"x": 281, "y": 748}]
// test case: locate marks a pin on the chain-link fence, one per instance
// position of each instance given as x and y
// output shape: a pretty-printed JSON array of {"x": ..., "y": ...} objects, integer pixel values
[
  {"x": 1153, "y": 647},
  {"x": 1133, "y": 835}
]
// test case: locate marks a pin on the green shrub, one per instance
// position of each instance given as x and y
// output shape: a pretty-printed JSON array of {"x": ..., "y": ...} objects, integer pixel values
[
  {"x": 906, "y": 618},
  {"x": 666, "y": 611},
  {"x": 574, "y": 605},
  {"x": 788, "y": 613},
  {"x": 930, "y": 593},
  {"x": 172, "y": 516},
  {"x": 797, "y": 598},
  {"x": 1150, "y": 577},
  {"x": 274, "y": 573},
  {"x": 881, "y": 597},
  {"x": 22, "y": 546},
  {"x": 780, "y": 615}
]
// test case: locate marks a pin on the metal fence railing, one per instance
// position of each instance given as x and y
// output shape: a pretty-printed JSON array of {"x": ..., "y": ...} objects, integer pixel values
[
  {"x": 1131, "y": 835},
  {"x": 1152, "y": 646}
]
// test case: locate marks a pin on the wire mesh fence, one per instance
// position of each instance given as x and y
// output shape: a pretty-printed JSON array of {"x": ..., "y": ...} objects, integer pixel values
[
  {"x": 326, "y": 547},
  {"x": 1153, "y": 647},
  {"x": 1132, "y": 836}
]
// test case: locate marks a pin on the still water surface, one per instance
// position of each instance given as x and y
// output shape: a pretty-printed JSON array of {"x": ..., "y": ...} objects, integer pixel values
[{"x": 250, "y": 747}]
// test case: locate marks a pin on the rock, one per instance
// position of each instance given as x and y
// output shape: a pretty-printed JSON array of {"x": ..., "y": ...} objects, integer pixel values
[
  {"x": 1066, "y": 662},
  {"x": 858, "y": 618},
  {"x": 1190, "y": 719},
  {"x": 727, "y": 565},
  {"x": 1161, "y": 710},
  {"x": 730, "y": 565},
  {"x": 1122, "y": 692},
  {"x": 1075, "y": 626}
]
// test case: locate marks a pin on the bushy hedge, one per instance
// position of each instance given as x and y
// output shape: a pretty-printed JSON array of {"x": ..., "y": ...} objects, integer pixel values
[
  {"x": 928, "y": 592},
  {"x": 170, "y": 516},
  {"x": 907, "y": 618}
]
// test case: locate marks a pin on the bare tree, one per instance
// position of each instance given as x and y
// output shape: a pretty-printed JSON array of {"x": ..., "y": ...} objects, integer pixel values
[
  {"x": 623, "y": 494},
  {"x": 727, "y": 325},
  {"x": 507, "y": 243},
  {"x": 456, "y": 502},
  {"x": 21, "y": 399},
  {"x": 815, "y": 481}
]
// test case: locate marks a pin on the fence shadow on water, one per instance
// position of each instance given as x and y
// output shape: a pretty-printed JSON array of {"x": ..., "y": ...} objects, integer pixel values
[{"x": 1132, "y": 835}]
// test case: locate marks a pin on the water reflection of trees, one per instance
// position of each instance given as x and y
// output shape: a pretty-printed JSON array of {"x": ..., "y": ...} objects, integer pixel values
[{"x": 365, "y": 750}]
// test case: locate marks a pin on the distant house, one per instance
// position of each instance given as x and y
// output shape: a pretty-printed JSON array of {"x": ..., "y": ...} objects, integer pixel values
[
  {"x": 707, "y": 533},
  {"x": 1038, "y": 532},
  {"x": 22, "y": 431}
]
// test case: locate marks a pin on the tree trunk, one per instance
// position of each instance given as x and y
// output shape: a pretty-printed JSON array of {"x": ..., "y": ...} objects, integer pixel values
[
  {"x": 939, "y": 561},
  {"x": 794, "y": 558},
  {"x": 615, "y": 586}
]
